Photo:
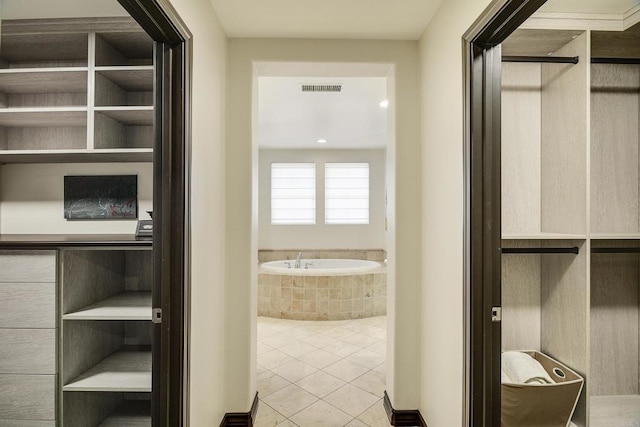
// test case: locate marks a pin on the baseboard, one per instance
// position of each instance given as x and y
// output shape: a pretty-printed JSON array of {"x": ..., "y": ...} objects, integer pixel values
[
  {"x": 405, "y": 418},
  {"x": 241, "y": 419}
]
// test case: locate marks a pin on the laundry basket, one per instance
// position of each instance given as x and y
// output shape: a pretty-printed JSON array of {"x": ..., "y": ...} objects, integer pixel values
[{"x": 548, "y": 405}]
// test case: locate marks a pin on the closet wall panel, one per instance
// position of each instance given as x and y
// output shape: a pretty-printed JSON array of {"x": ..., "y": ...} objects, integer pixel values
[
  {"x": 521, "y": 302},
  {"x": 614, "y": 324},
  {"x": 521, "y": 148},
  {"x": 614, "y": 148},
  {"x": 564, "y": 135}
]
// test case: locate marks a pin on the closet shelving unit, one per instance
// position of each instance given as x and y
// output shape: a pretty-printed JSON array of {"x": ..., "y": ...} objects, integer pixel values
[
  {"x": 572, "y": 131},
  {"x": 82, "y": 91},
  {"x": 79, "y": 92}
]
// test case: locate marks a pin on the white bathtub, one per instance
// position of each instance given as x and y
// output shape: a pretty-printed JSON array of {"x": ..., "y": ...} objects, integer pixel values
[{"x": 321, "y": 267}]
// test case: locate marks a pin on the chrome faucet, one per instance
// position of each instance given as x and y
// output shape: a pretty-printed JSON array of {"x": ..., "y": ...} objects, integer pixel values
[{"x": 298, "y": 258}]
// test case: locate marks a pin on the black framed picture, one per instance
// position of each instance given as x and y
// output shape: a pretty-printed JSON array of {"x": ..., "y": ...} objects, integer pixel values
[{"x": 101, "y": 197}]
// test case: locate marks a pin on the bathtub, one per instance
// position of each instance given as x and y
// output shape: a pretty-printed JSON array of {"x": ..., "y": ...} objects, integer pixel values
[
  {"x": 322, "y": 289},
  {"x": 321, "y": 267}
]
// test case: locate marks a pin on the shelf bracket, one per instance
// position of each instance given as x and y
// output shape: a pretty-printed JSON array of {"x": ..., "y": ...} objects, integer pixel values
[{"x": 156, "y": 316}]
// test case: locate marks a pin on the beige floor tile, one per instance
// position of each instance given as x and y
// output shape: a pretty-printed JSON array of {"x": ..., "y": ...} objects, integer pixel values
[
  {"x": 320, "y": 384},
  {"x": 319, "y": 358},
  {"x": 319, "y": 340},
  {"x": 345, "y": 370},
  {"x": 356, "y": 423},
  {"x": 321, "y": 414},
  {"x": 375, "y": 416},
  {"x": 265, "y": 331},
  {"x": 301, "y": 332},
  {"x": 339, "y": 333},
  {"x": 267, "y": 416},
  {"x": 294, "y": 370},
  {"x": 341, "y": 348},
  {"x": 270, "y": 384},
  {"x": 373, "y": 381},
  {"x": 379, "y": 347},
  {"x": 273, "y": 358},
  {"x": 367, "y": 358},
  {"x": 290, "y": 400},
  {"x": 361, "y": 340},
  {"x": 278, "y": 340},
  {"x": 351, "y": 399},
  {"x": 263, "y": 348},
  {"x": 297, "y": 349},
  {"x": 382, "y": 368}
]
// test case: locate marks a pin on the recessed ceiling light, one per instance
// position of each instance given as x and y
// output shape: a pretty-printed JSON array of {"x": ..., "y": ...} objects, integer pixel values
[
  {"x": 385, "y": 103},
  {"x": 321, "y": 141}
]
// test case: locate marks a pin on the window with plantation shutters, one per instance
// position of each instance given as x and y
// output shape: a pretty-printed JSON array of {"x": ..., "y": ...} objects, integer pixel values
[
  {"x": 293, "y": 193},
  {"x": 346, "y": 193}
]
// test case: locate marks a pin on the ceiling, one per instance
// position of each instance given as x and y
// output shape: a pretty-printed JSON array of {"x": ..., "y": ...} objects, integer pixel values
[
  {"x": 359, "y": 19},
  {"x": 351, "y": 119}
]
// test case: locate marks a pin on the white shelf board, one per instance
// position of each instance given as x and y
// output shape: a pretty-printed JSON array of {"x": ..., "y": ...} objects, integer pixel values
[
  {"x": 614, "y": 411},
  {"x": 616, "y": 236},
  {"x": 544, "y": 236},
  {"x": 130, "y": 78},
  {"x": 72, "y": 156},
  {"x": 43, "y": 80},
  {"x": 130, "y": 414},
  {"x": 124, "y": 306},
  {"x": 124, "y": 371},
  {"x": 136, "y": 116},
  {"x": 43, "y": 117}
]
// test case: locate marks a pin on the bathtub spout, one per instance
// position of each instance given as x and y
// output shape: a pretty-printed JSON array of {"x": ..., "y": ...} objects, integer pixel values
[{"x": 298, "y": 258}]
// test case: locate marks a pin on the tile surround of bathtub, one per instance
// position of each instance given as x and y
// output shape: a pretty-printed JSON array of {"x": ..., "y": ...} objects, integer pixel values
[
  {"x": 322, "y": 297},
  {"x": 265, "y": 255}
]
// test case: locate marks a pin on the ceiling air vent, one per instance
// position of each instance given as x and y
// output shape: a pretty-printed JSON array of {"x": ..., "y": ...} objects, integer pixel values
[{"x": 321, "y": 88}]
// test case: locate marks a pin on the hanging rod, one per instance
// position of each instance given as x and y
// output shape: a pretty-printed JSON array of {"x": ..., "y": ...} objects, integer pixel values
[
  {"x": 548, "y": 59},
  {"x": 615, "y": 250},
  {"x": 630, "y": 61},
  {"x": 572, "y": 250}
]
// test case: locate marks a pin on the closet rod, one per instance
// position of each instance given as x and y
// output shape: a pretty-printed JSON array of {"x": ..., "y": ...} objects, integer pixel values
[
  {"x": 572, "y": 250},
  {"x": 630, "y": 61},
  {"x": 548, "y": 59},
  {"x": 615, "y": 250}
]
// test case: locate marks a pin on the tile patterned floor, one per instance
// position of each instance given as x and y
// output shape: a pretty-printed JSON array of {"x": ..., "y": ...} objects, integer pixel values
[{"x": 327, "y": 373}]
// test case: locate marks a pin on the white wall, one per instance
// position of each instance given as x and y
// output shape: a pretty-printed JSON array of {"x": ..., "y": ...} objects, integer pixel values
[
  {"x": 320, "y": 235},
  {"x": 405, "y": 252},
  {"x": 33, "y": 198},
  {"x": 442, "y": 203},
  {"x": 207, "y": 394}
]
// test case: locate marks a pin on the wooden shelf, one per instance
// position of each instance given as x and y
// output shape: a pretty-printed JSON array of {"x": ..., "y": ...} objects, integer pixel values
[
  {"x": 124, "y": 306},
  {"x": 43, "y": 117},
  {"x": 613, "y": 411},
  {"x": 123, "y": 371},
  {"x": 48, "y": 241},
  {"x": 36, "y": 50},
  {"x": 129, "y": 116},
  {"x": 130, "y": 414},
  {"x": 43, "y": 80},
  {"x": 133, "y": 78},
  {"x": 618, "y": 236},
  {"x": 128, "y": 155},
  {"x": 544, "y": 236}
]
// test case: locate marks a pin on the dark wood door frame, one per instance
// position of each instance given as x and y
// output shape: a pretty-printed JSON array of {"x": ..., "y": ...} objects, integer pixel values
[
  {"x": 171, "y": 161},
  {"x": 482, "y": 67}
]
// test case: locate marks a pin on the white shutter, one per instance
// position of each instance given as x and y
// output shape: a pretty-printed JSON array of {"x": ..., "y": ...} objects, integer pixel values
[
  {"x": 293, "y": 193},
  {"x": 346, "y": 193}
]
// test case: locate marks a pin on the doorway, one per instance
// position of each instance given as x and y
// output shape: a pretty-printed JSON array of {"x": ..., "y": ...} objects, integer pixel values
[{"x": 322, "y": 139}]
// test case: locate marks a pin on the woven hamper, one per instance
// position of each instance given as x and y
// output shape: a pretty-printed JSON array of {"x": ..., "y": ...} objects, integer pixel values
[{"x": 548, "y": 405}]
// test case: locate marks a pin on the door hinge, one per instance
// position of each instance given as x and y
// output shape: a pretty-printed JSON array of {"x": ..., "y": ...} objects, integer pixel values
[
  {"x": 156, "y": 316},
  {"x": 496, "y": 314}
]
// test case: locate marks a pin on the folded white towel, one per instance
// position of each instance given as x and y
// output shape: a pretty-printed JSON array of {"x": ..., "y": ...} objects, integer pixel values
[
  {"x": 524, "y": 369},
  {"x": 504, "y": 378}
]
